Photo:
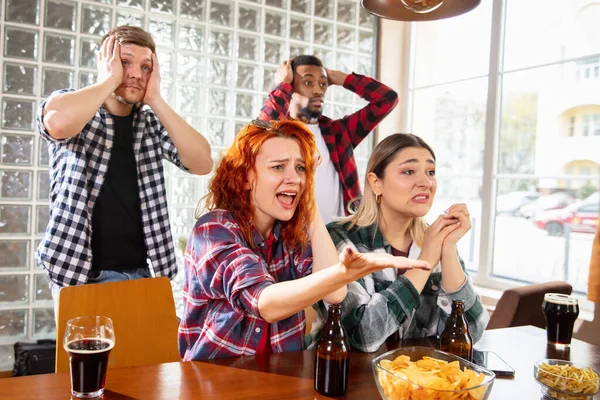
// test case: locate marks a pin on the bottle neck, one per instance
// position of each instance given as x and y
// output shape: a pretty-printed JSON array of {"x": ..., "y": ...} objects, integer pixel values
[
  {"x": 458, "y": 307},
  {"x": 457, "y": 323},
  {"x": 333, "y": 328},
  {"x": 334, "y": 310}
]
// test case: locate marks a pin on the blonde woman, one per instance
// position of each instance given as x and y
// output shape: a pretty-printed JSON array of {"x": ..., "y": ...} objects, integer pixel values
[{"x": 400, "y": 189}]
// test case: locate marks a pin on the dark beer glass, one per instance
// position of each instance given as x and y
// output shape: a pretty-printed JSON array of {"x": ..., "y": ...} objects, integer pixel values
[
  {"x": 88, "y": 342},
  {"x": 561, "y": 311}
]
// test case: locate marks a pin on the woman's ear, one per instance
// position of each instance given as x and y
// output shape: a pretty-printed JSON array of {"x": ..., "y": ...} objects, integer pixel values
[
  {"x": 374, "y": 182},
  {"x": 249, "y": 180}
]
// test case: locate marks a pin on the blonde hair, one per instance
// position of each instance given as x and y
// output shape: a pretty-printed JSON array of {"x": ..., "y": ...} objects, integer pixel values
[{"x": 368, "y": 211}]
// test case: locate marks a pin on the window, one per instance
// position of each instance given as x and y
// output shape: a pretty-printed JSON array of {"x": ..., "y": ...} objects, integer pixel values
[
  {"x": 571, "y": 126},
  {"x": 511, "y": 109},
  {"x": 587, "y": 124},
  {"x": 591, "y": 125},
  {"x": 587, "y": 68},
  {"x": 591, "y": 208}
]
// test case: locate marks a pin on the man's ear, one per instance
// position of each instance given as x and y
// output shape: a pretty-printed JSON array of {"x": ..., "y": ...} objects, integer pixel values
[{"x": 374, "y": 182}]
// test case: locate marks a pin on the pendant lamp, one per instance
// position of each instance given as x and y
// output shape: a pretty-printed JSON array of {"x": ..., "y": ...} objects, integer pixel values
[{"x": 418, "y": 10}]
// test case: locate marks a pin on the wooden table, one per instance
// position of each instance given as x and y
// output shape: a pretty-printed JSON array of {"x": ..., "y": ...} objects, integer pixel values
[{"x": 290, "y": 375}]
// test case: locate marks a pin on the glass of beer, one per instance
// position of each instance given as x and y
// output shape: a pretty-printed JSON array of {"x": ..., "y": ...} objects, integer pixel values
[
  {"x": 88, "y": 341},
  {"x": 561, "y": 311}
]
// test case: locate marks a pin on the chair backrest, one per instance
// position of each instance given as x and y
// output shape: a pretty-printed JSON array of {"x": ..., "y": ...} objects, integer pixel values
[
  {"x": 523, "y": 305},
  {"x": 143, "y": 314}
]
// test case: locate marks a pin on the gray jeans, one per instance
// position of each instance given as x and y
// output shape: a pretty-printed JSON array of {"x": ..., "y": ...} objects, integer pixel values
[{"x": 103, "y": 277}]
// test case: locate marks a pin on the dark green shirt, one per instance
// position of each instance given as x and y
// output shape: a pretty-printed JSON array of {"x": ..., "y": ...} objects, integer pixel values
[{"x": 385, "y": 302}]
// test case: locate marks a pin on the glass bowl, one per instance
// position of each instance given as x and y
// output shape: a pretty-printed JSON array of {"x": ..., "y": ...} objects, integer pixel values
[
  {"x": 559, "y": 387},
  {"x": 395, "y": 387}
]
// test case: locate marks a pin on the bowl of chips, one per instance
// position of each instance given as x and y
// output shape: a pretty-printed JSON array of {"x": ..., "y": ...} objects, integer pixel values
[
  {"x": 565, "y": 380},
  {"x": 429, "y": 374}
]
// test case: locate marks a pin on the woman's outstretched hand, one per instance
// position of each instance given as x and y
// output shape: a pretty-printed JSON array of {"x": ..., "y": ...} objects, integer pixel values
[{"x": 361, "y": 264}]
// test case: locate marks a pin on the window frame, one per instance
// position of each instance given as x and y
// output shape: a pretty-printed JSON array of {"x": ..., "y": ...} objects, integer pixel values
[{"x": 490, "y": 177}]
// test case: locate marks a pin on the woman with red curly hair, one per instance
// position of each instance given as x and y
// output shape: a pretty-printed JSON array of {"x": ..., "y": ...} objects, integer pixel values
[{"x": 261, "y": 255}]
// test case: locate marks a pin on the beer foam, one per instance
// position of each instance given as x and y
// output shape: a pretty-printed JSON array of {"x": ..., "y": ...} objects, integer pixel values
[
  {"x": 558, "y": 298},
  {"x": 111, "y": 344}
]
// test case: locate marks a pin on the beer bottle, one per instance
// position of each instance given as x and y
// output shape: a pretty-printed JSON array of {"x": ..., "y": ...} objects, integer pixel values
[
  {"x": 332, "y": 356},
  {"x": 456, "y": 338}
]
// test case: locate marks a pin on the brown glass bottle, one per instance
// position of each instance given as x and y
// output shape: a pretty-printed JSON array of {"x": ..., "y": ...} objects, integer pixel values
[
  {"x": 332, "y": 357},
  {"x": 456, "y": 338}
]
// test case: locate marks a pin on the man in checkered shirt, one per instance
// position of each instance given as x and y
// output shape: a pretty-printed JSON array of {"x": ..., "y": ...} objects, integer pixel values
[
  {"x": 108, "y": 212},
  {"x": 301, "y": 86}
]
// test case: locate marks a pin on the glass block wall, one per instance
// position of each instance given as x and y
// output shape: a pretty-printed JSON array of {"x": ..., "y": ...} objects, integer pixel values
[{"x": 217, "y": 60}]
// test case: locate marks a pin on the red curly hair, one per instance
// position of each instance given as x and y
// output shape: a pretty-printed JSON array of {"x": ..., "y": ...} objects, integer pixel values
[{"x": 227, "y": 188}]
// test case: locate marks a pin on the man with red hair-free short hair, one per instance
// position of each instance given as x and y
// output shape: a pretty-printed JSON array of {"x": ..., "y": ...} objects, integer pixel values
[
  {"x": 300, "y": 94},
  {"x": 108, "y": 208}
]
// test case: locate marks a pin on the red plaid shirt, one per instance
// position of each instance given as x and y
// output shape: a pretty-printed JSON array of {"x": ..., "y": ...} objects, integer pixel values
[
  {"x": 224, "y": 278},
  {"x": 341, "y": 135}
]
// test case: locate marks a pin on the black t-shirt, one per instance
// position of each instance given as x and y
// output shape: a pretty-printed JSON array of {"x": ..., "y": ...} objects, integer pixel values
[{"x": 117, "y": 230}]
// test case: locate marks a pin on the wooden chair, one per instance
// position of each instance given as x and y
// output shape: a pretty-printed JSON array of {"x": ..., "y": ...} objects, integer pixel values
[
  {"x": 143, "y": 315},
  {"x": 523, "y": 305}
]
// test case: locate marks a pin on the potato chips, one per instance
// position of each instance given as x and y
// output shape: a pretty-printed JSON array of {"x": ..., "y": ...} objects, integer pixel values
[
  {"x": 568, "y": 378},
  {"x": 429, "y": 379}
]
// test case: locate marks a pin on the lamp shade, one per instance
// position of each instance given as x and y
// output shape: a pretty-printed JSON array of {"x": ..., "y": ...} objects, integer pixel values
[{"x": 394, "y": 9}]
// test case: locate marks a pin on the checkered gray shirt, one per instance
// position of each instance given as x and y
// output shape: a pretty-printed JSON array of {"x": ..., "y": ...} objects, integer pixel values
[{"x": 77, "y": 169}]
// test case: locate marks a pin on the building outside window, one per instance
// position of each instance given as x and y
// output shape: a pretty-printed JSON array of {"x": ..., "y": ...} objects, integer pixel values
[{"x": 514, "y": 143}]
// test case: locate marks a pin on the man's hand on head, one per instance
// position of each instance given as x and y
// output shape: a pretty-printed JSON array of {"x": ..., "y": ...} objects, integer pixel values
[
  {"x": 153, "y": 88},
  {"x": 335, "y": 77},
  {"x": 284, "y": 72},
  {"x": 110, "y": 66}
]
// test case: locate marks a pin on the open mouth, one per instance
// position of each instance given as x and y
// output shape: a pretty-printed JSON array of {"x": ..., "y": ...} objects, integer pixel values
[
  {"x": 420, "y": 198},
  {"x": 287, "y": 198}
]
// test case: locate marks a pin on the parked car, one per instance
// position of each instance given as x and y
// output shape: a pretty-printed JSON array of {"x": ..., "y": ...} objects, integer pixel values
[
  {"x": 581, "y": 217},
  {"x": 546, "y": 202},
  {"x": 511, "y": 202}
]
